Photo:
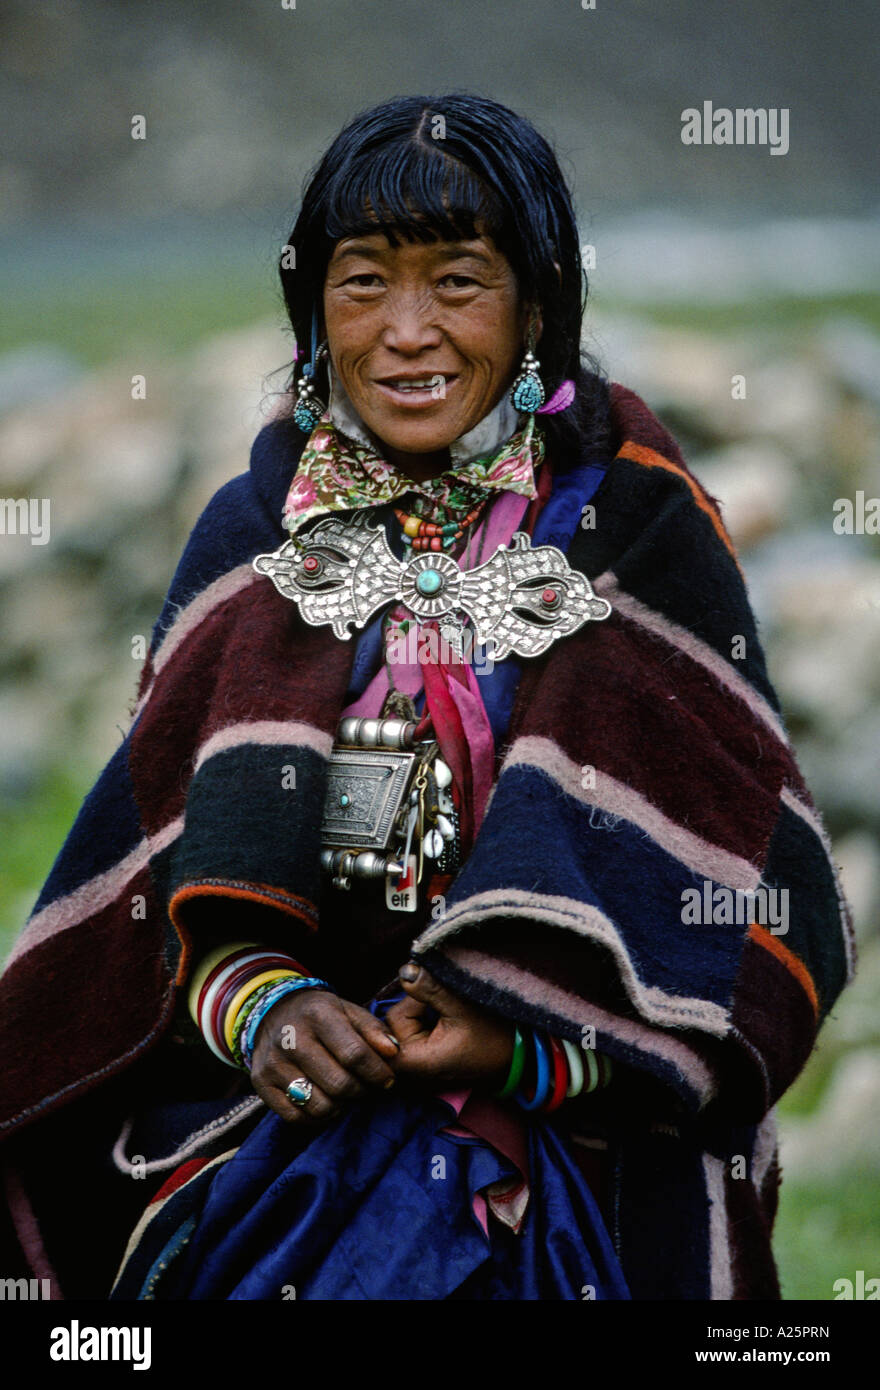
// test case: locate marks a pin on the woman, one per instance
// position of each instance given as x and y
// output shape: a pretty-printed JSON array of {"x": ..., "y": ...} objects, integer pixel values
[{"x": 489, "y": 710}]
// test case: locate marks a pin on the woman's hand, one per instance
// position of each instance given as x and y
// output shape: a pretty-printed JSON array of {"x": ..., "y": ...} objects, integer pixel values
[
  {"x": 338, "y": 1046},
  {"x": 465, "y": 1044}
]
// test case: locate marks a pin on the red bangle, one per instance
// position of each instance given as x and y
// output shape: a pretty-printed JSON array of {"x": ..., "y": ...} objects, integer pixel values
[
  {"x": 231, "y": 988},
  {"x": 276, "y": 958},
  {"x": 560, "y": 1077},
  {"x": 220, "y": 967}
]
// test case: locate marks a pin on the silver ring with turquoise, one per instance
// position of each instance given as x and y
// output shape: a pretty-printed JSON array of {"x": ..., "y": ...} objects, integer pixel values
[{"x": 299, "y": 1091}]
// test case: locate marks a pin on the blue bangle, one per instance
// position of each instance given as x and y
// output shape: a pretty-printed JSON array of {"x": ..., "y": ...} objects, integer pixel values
[
  {"x": 284, "y": 987},
  {"x": 544, "y": 1078}
]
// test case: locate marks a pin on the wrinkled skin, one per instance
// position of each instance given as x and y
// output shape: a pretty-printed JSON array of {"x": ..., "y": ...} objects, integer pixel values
[{"x": 345, "y": 1051}]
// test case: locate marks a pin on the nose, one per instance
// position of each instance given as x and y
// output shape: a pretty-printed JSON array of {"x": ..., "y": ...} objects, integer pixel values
[{"x": 408, "y": 328}]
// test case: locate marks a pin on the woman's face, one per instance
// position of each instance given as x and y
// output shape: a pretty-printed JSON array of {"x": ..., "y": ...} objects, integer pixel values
[{"x": 445, "y": 314}]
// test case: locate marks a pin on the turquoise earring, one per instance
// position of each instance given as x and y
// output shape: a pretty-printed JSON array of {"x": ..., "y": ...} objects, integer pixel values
[
  {"x": 309, "y": 408},
  {"x": 527, "y": 393}
]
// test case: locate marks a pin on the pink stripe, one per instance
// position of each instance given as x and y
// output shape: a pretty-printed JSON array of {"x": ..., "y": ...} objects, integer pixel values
[
  {"x": 94, "y": 895},
  {"x": 553, "y": 998},
  {"x": 656, "y": 1005},
  {"x": 480, "y": 740},
  {"x": 28, "y": 1231},
  {"x": 496, "y": 528},
  {"x": 696, "y": 853},
  {"x": 265, "y": 731},
  {"x": 189, "y": 618}
]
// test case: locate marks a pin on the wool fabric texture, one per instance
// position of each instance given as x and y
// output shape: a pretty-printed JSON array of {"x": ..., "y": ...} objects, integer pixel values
[{"x": 641, "y": 761}]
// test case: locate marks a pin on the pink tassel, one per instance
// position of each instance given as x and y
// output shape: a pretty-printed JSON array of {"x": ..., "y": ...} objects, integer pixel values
[{"x": 560, "y": 400}]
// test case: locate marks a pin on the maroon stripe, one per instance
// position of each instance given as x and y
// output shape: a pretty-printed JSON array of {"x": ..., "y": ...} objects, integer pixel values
[
  {"x": 78, "y": 1030},
  {"x": 774, "y": 1015},
  {"x": 252, "y": 658},
  {"x": 652, "y": 718}
]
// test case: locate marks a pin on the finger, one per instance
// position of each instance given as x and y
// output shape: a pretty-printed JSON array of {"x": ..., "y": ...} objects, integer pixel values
[
  {"x": 424, "y": 987},
  {"x": 319, "y": 1105},
  {"x": 407, "y": 1018},
  {"x": 376, "y": 1031},
  {"x": 322, "y": 1068},
  {"x": 342, "y": 1037},
  {"x": 433, "y": 1054}
]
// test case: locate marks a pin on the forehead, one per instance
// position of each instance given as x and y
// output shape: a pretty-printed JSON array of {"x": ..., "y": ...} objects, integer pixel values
[{"x": 375, "y": 245}]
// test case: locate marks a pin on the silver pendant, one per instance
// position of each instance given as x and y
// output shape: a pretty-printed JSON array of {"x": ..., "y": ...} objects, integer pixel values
[{"x": 521, "y": 600}]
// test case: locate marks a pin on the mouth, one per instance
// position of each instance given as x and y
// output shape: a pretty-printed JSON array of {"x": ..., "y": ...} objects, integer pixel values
[{"x": 418, "y": 390}]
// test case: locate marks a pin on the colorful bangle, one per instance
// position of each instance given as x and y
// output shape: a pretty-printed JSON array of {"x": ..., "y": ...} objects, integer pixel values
[
  {"x": 544, "y": 1075},
  {"x": 517, "y": 1063},
  {"x": 244, "y": 1014},
  {"x": 271, "y": 999},
  {"x": 206, "y": 969},
  {"x": 259, "y": 959},
  {"x": 575, "y": 1069},
  {"x": 593, "y": 1069},
  {"x": 206, "y": 1010},
  {"x": 220, "y": 1009},
  {"x": 269, "y": 977},
  {"x": 221, "y": 970},
  {"x": 560, "y": 1077},
  {"x": 235, "y": 969}
]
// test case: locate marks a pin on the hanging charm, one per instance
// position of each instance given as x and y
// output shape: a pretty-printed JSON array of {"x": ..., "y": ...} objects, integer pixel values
[
  {"x": 388, "y": 808},
  {"x": 309, "y": 408},
  {"x": 527, "y": 393},
  {"x": 519, "y": 601}
]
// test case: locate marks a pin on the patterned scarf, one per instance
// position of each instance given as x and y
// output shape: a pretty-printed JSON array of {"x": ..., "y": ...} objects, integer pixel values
[{"x": 337, "y": 473}]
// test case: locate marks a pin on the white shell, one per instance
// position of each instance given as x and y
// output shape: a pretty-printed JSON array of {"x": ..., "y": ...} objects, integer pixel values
[
  {"x": 446, "y": 828},
  {"x": 442, "y": 773},
  {"x": 433, "y": 844}
]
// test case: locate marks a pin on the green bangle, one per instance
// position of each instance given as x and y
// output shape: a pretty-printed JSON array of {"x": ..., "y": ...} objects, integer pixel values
[
  {"x": 517, "y": 1065},
  {"x": 244, "y": 1014},
  {"x": 593, "y": 1068}
]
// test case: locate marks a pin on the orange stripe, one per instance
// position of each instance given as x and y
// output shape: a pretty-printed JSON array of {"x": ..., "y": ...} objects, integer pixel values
[
  {"x": 640, "y": 453},
  {"x": 300, "y": 908},
  {"x": 796, "y": 967}
]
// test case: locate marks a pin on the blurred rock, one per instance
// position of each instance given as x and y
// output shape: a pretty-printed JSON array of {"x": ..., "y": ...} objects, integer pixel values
[
  {"x": 858, "y": 858},
  {"x": 843, "y": 1133},
  {"x": 755, "y": 486},
  {"x": 35, "y": 373}
]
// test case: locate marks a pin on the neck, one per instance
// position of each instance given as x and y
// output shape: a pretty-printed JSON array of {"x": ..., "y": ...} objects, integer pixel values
[{"x": 419, "y": 467}]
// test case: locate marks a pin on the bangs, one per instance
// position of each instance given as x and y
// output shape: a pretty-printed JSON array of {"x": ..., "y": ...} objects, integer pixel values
[{"x": 414, "y": 192}]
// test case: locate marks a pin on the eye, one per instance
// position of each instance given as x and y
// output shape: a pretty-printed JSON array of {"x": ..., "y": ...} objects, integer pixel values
[
  {"x": 359, "y": 279},
  {"x": 463, "y": 281}
]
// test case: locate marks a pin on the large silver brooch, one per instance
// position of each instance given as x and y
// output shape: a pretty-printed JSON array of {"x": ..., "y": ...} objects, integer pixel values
[{"x": 521, "y": 600}]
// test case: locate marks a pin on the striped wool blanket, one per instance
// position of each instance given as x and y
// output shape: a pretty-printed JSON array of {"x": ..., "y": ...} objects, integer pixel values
[{"x": 650, "y": 870}]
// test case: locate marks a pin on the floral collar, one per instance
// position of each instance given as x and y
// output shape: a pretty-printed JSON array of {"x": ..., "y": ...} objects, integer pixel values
[{"x": 337, "y": 473}]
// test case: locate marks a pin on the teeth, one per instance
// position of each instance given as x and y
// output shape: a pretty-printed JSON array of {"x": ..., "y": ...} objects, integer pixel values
[{"x": 412, "y": 385}]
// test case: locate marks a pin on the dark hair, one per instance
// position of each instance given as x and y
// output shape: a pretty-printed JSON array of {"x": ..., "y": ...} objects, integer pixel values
[{"x": 426, "y": 168}]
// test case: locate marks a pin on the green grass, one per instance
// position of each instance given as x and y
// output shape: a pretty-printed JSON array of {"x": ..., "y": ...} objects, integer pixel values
[
  {"x": 32, "y": 830},
  {"x": 787, "y": 313},
  {"x": 827, "y": 1230},
  {"x": 97, "y": 320}
]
